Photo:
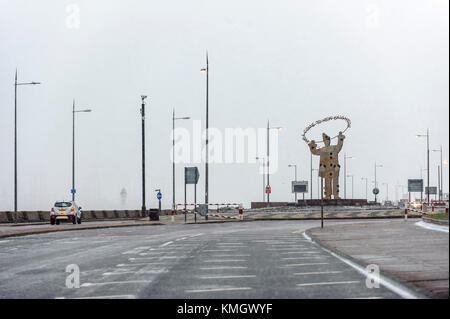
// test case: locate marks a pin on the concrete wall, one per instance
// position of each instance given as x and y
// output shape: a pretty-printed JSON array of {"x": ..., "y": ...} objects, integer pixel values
[{"x": 89, "y": 215}]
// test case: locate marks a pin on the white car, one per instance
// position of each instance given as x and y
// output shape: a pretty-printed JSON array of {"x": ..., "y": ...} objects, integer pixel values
[{"x": 65, "y": 211}]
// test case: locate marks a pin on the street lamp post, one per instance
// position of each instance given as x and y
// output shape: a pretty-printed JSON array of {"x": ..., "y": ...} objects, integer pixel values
[
  {"x": 345, "y": 173},
  {"x": 428, "y": 162},
  {"x": 352, "y": 183},
  {"x": 440, "y": 180},
  {"x": 206, "y": 131},
  {"x": 376, "y": 178},
  {"x": 73, "y": 191},
  {"x": 173, "y": 155},
  {"x": 143, "y": 209},
  {"x": 295, "y": 167},
  {"x": 366, "y": 179},
  {"x": 263, "y": 159},
  {"x": 16, "y": 84},
  {"x": 268, "y": 158}
]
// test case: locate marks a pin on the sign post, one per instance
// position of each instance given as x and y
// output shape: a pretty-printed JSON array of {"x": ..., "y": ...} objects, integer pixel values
[
  {"x": 300, "y": 187},
  {"x": 191, "y": 176}
]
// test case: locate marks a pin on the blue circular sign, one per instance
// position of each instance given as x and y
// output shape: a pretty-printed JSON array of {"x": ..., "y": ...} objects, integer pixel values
[{"x": 159, "y": 195}]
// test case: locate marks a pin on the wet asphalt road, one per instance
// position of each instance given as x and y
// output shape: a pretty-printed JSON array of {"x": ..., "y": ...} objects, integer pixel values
[{"x": 230, "y": 260}]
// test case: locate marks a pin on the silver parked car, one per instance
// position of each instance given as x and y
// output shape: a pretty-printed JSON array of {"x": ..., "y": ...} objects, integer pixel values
[{"x": 65, "y": 211}]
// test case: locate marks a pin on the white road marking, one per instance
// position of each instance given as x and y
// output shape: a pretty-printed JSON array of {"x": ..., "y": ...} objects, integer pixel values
[
  {"x": 217, "y": 289},
  {"x": 196, "y": 235},
  {"x": 308, "y": 264},
  {"x": 432, "y": 226},
  {"x": 328, "y": 283},
  {"x": 118, "y": 273},
  {"x": 166, "y": 244},
  {"x": 223, "y": 260},
  {"x": 389, "y": 284},
  {"x": 140, "y": 264},
  {"x": 91, "y": 284},
  {"x": 303, "y": 257},
  {"x": 4, "y": 241},
  {"x": 299, "y": 252},
  {"x": 217, "y": 250},
  {"x": 223, "y": 267},
  {"x": 317, "y": 273},
  {"x": 229, "y": 256},
  {"x": 226, "y": 277}
]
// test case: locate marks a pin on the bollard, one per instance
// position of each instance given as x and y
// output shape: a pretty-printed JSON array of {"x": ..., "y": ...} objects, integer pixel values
[
  {"x": 173, "y": 217},
  {"x": 406, "y": 214},
  {"x": 432, "y": 209},
  {"x": 446, "y": 210},
  {"x": 241, "y": 213}
]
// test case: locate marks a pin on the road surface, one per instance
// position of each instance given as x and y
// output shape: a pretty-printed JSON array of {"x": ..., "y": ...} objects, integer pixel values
[{"x": 228, "y": 260}]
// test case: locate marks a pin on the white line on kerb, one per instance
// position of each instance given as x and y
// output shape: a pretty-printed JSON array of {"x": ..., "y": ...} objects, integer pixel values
[
  {"x": 217, "y": 289},
  {"x": 392, "y": 286},
  {"x": 432, "y": 227},
  {"x": 328, "y": 283},
  {"x": 165, "y": 244}
]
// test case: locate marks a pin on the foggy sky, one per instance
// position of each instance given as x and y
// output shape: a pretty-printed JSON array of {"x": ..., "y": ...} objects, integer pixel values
[{"x": 383, "y": 64}]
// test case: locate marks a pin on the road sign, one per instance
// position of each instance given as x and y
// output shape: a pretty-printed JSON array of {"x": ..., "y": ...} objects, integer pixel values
[
  {"x": 203, "y": 209},
  {"x": 300, "y": 187},
  {"x": 73, "y": 191},
  {"x": 159, "y": 196},
  {"x": 191, "y": 175},
  {"x": 433, "y": 190},
  {"x": 268, "y": 189},
  {"x": 376, "y": 191},
  {"x": 415, "y": 185}
]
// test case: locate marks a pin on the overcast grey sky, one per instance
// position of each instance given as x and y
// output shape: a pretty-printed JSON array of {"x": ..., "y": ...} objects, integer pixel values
[{"x": 383, "y": 64}]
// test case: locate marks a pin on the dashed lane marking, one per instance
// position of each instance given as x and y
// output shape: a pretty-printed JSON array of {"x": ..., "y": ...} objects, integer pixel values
[
  {"x": 217, "y": 289},
  {"x": 223, "y": 260},
  {"x": 223, "y": 267},
  {"x": 166, "y": 244},
  {"x": 317, "y": 273},
  {"x": 307, "y": 264},
  {"x": 91, "y": 284},
  {"x": 328, "y": 283},
  {"x": 227, "y": 277}
]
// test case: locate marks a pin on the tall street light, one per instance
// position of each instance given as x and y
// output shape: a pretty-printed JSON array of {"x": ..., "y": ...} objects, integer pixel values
[
  {"x": 207, "y": 126},
  {"x": 345, "y": 173},
  {"x": 366, "y": 179},
  {"x": 428, "y": 162},
  {"x": 16, "y": 84},
  {"x": 73, "y": 191},
  {"x": 173, "y": 155},
  {"x": 268, "y": 158},
  {"x": 352, "y": 183},
  {"x": 143, "y": 209},
  {"x": 440, "y": 180},
  {"x": 375, "y": 182},
  {"x": 263, "y": 160},
  {"x": 295, "y": 167}
]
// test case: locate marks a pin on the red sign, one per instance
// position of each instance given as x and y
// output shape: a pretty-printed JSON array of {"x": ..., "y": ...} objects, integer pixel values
[{"x": 268, "y": 189}]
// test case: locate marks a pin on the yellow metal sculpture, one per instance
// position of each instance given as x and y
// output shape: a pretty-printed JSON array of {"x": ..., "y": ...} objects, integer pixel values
[{"x": 329, "y": 163}]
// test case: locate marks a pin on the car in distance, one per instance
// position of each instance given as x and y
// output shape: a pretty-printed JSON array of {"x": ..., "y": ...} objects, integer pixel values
[{"x": 65, "y": 211}]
